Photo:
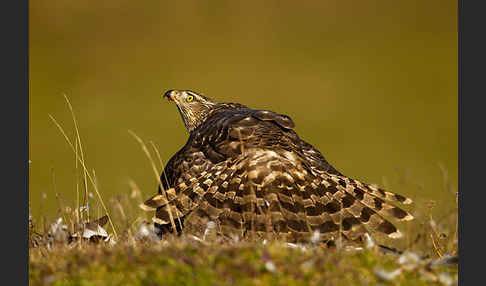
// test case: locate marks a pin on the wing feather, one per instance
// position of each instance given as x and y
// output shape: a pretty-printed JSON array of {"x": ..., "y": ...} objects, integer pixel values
[{"x": 248, "y": 171}]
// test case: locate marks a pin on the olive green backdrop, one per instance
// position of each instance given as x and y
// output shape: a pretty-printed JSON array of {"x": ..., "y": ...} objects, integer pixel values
[{"x": 371, "y": 84}]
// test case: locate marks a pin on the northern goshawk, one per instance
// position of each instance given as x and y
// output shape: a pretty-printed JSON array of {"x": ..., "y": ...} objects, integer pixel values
[{"x": 249, "y": 172}]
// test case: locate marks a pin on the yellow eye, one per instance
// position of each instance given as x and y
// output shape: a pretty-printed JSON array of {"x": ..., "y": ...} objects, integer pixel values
[{"x": 189, "y": 98}]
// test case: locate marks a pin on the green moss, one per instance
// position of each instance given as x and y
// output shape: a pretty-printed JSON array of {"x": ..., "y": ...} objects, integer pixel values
[{"x": 215, "y": 264}]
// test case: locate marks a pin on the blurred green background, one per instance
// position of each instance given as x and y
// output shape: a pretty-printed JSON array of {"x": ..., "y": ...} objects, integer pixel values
[{"x": 371, "y": 84}]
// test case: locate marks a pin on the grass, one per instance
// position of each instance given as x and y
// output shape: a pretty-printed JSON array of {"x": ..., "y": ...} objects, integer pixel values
[
  {"x": 133, "y": 256},
  {"x": 137, "y": 258},
  {"x": 186, "y": 260}
]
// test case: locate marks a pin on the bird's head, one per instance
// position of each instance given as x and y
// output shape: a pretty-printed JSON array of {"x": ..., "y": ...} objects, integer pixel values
[{"x": 194, "y": 108}]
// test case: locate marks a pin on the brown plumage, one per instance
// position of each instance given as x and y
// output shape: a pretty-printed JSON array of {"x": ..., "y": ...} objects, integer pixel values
[{"x": 248, "y": 171}]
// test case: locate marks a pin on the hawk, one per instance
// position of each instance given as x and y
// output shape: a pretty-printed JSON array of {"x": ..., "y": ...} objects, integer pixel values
[{"x": 248, "y": 171}]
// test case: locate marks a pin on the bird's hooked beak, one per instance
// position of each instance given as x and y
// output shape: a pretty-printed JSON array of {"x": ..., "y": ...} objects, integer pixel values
[{"x": 171, "y": 95}]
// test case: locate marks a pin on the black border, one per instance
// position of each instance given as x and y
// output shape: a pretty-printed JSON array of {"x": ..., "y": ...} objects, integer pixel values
[
  {"x": 14, "y": 21},
  {"x": 471, "y": 75}
]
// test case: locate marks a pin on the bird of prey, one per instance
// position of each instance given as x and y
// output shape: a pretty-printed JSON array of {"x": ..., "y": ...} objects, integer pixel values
[{"x": 248, "y": 171}]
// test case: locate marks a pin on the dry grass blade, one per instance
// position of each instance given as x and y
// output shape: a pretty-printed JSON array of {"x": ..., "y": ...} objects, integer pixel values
[
  {"x": 59, "y": 204},
  {"x": 77, "y": 183},
  {"x": 160, "y": 160},
  {"x": 162, "y": 169},
  {"x": 78, "y": 142},
  {"x": 156, "y": 150},
  {"x": 154, "y": 168},
  {"x": 87, "y": 174}
]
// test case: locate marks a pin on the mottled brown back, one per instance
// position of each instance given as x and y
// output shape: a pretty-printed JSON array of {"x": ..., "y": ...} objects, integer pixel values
[{"x": 249, "y": 172}]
